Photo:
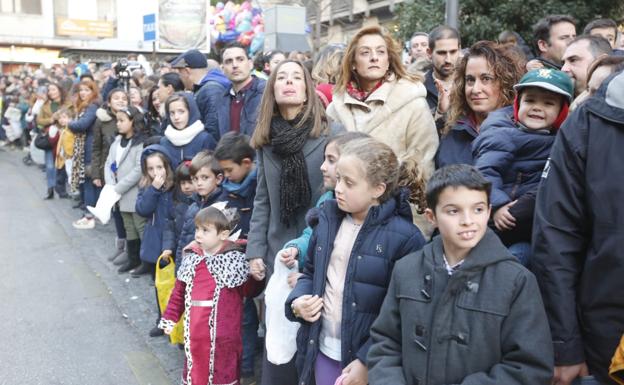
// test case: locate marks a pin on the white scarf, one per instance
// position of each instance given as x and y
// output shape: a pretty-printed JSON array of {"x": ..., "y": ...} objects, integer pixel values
[{"x": 184, "y": 137}]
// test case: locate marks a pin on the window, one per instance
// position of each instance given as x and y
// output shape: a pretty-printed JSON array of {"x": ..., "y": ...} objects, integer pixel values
[{"x": 31, "y": 7}]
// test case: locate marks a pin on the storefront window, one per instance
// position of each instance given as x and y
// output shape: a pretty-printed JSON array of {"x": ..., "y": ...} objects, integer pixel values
[{"x": 30, "y": 7}]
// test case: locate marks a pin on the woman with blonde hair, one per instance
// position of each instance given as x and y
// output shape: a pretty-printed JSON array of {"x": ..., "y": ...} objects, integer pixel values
[
  {"x": 290, "y": 139},
  {"x": 376, "y": 95}
]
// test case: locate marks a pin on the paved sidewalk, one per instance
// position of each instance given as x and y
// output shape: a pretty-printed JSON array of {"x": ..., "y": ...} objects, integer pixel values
[{"x": 72, "y": 319}]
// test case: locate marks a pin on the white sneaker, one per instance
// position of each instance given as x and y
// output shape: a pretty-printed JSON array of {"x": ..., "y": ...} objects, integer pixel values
[{"x": 84, "y": 223}]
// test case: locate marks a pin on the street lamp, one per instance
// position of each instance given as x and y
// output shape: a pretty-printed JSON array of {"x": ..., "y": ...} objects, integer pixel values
[{"x": 452, "y": 13}]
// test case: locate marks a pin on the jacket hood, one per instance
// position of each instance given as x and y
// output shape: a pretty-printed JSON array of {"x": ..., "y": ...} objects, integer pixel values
[
  {"x": 103, "y": 114},
  {"x": 216, "y": 76},
  {"x": 608, "y": 102},
  {"x": 488, "y": 251},
  {"x": 503, "y": 117},
  {"x": 194, "y": 114},
  {"x": 151, "y": 149}
]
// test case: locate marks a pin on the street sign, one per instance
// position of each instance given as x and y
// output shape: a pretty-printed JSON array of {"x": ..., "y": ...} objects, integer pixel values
[{"x": 149, "y": 27}]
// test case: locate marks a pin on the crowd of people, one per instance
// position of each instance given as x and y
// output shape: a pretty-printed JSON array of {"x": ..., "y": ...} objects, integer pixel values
[{"x": 452, "y": 219}]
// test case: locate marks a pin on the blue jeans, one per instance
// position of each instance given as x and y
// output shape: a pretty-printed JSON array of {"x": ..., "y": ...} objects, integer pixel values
[
  {"x": 250, "y": 335},
  {"x": 89, "y": 194},
  {"x": 522, "y": 251},
  {"x": 588, "y": 380},
  {"x": 50, "y": 169}
]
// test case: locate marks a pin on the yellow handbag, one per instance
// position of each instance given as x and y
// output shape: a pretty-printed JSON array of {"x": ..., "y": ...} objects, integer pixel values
[
  {"x": 616, "y": 371},
  {"x": 164, "y": 282}
]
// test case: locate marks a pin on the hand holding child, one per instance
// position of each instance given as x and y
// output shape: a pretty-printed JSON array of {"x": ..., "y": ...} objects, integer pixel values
[
  {"x": 503, "y": 220},
  {"x": 288, "y": 256},
  {"x": 308, "y": 307},
  {"x": 357, "y": 373},
  {"x": 257, "y": 269},
  {"x": 97, "y": 182}
]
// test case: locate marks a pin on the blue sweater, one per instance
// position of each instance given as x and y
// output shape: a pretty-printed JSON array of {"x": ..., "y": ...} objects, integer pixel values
[{"x": 302, "y": 242}]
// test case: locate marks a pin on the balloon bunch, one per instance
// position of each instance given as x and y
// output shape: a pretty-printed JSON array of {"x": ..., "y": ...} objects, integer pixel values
[{"x": 238, "y": 22}]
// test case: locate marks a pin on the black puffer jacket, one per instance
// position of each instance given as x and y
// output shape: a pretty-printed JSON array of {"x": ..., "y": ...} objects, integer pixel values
[{"x": 578, "y": 235}]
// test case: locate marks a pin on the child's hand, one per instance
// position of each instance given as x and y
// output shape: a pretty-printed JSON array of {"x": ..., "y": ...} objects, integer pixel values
[
  {"x": 308, "y": 307},
  {"x": 97, "y": 182},
  {"x": 166, "y": 326},
  {"x": 288, "y": 256},
  {"x": 159, "y": 181},
  {"x": 357, "y": 373},
  {"x": 292, "y": 278},
  {"x": 503, "y": 220},
  {"x": 257, "y": 269}
]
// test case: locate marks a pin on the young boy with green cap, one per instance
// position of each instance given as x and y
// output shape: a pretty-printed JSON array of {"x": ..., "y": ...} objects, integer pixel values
[{"x": 513, "y": 147}]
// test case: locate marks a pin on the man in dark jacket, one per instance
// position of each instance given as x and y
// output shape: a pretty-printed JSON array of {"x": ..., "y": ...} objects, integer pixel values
[
  {"x": 578, "y": 236},
  {"x": 237, "y": 108},
  {"x": 207, "y": 82},
  {"x": 444, "y": 47}
]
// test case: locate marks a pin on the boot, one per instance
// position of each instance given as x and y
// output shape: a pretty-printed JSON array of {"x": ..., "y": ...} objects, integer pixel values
[
  {"x": 49, "y": 195},
  {"x": 121, "y": 259},
  {"x": 145, "y": 268},
  {"x": 120, "y": 247},
  {"x": 134, "y": 247}
]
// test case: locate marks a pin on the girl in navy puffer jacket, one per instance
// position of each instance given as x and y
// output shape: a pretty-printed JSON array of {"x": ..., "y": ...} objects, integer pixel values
[
  {"x": 155, "y": 202},
  {"x": 355, "y": 242}
]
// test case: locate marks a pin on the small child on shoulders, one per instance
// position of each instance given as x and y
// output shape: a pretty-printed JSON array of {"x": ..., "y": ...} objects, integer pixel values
[
  {"x": 513, "y": 148},
  {"x": 462, "y": 310}
]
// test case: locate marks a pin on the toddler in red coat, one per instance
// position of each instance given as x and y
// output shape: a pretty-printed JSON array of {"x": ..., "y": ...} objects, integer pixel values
[{"x": 212, "y": 281}]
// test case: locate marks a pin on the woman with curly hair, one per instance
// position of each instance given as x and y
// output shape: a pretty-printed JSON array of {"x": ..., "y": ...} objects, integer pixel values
[{"x": 484, "y": 82}]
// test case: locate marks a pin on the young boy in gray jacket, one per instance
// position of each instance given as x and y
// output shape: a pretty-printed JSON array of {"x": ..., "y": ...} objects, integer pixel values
[{"x": 462, "y": 310}]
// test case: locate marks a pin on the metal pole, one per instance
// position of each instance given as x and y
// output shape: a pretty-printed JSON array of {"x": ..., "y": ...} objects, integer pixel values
[{"x": 452, "y": 13}]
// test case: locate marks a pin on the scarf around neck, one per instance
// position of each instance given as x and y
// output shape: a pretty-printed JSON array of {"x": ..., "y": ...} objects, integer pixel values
[
  {"x": 288, "y": 140},
  {"x": 184, "y": 137},
  {"x": 242, "y": 189},
  {"x": 354, "y": 91}
]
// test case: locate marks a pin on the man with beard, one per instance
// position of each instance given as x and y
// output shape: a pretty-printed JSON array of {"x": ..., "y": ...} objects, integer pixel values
[{"x": 444, "y": 49}]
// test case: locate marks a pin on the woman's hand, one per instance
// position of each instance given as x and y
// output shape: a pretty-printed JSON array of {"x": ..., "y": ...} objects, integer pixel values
[
  {"x": 97, "y": 182},
  {"x": 257, "y": 269},
  {"x": 357, "y": 373},
  {"x": 308, "y": 307},
  {"x": 503, "y": 220},
  {"x": 292, "y": 278},
  {"x": 288, "y": 256}
]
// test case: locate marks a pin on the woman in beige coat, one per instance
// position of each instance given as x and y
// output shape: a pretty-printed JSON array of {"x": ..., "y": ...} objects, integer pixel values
[{"x": 377, "y": 96}]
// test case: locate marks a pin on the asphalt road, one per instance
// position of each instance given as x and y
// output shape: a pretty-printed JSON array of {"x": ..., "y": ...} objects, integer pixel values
[{"x": 69, "y": 318}]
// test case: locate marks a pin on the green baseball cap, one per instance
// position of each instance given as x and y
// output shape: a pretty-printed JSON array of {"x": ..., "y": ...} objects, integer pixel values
[{"x": 549, "y": 79}]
